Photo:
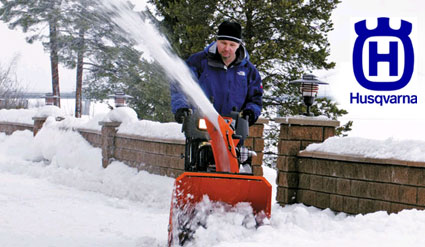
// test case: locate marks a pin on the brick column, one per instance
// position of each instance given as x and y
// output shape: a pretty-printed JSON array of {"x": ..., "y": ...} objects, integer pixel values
[
  {"x": 109, "y": 130},
  {"x": 38, "y": 124},
  {"x": 296, "y": 133},
  {"x": 256, "y": 143}
]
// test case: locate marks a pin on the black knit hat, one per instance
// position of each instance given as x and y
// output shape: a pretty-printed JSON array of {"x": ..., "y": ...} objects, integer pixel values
[{"x": 230, "y": 31}]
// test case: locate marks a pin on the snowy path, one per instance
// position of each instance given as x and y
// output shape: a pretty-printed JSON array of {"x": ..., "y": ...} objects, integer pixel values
[
  {"x": 34, "y": 212},
  {"x": 53, "y": 192}
]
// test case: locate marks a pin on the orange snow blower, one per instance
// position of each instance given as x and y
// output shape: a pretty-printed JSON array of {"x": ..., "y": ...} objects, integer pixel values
[{"x": 212, "y": 161}]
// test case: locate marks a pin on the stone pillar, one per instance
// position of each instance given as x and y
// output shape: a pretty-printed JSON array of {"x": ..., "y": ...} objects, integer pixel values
[
  {"x": 109, "y": 130},
  {"x": 296, "y": 133},
  {"x": 38, "y": 124},
  {"x": 255, "y": 142}
]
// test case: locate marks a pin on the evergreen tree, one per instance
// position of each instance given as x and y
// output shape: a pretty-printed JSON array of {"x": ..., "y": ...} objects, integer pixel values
[
  {"x": 188, "y": 24},
  {"x": 82, "y": 36},
  {"x": 111, "y": 63},
  {"x": 30, "y": 15},
  {"x": 134, "y": 76},
  {"x": 86, "y": 30},
  {"x": 284, "y": 38}
]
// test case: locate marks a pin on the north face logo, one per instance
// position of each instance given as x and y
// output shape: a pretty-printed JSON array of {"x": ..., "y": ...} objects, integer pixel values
[{"x": 242, "y": 73}]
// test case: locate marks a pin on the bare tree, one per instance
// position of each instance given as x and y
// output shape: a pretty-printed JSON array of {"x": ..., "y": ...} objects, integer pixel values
[{"x": 11, "y": 92}]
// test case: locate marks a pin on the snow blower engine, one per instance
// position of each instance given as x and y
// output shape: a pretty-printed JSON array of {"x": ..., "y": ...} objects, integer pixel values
[{"x": 198, "y": 151}]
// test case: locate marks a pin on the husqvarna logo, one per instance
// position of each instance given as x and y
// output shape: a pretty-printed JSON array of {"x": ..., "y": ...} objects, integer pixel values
[{"x": 399, "y": 56}]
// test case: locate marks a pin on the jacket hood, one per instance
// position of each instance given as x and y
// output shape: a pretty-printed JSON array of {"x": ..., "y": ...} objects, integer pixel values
[{"x": 242, "y": 54}]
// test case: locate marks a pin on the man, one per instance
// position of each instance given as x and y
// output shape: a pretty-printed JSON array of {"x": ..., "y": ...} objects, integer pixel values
[{"x": 226, "y": 76}]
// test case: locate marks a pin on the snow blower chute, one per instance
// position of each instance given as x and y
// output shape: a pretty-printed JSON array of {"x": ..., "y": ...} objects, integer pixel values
[{"x": 212, "y": 161}]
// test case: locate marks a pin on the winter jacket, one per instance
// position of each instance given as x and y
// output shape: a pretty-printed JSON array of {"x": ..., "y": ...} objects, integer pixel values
[{"x": 237, "y": 86}]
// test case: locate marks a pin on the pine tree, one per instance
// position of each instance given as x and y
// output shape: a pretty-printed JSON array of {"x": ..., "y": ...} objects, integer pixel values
[
  {"x": 82, "y": 36},
  {"x": 284, "y": 38},
  {"x": 30, "y": 15},
  {"x": 85, "y": 29}
]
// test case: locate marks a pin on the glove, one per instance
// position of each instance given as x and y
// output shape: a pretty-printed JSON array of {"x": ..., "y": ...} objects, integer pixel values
[
  {"x": 181, "y": 114},
  {"x": 247, "y": 113}
]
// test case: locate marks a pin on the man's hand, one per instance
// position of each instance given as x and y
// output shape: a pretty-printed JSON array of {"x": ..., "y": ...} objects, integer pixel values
[
  {"x": 181, "y": 114},
  {"x": 249, "y": 114}
]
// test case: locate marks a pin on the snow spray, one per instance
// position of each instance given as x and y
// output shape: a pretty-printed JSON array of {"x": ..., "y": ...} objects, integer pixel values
[{"x": 144, "y": 33}]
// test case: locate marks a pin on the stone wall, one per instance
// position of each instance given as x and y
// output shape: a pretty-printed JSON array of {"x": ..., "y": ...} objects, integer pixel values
[
  {"x": 92, "y": 136},
  {"x": 360, "y": 185},
  {"x": 158, "y": 156},
  {"x": 295, "y": 135},
  {"x": 163, "y": 157},
  {"x": 8, "y": 128},
  {"x": 342, "y": 183},
  {"x": 255, "y": 142}
]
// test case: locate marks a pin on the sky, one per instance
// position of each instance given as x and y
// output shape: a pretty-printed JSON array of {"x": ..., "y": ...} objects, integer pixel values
[
  {"x": 399, "y": 121},
  {"x": 50, "y": 196}
]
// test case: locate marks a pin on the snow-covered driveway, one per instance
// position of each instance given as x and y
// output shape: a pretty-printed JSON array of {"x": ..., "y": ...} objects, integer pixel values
[
  {"x": 53, "y": 192},
  {"x": 34, "y": 212}
]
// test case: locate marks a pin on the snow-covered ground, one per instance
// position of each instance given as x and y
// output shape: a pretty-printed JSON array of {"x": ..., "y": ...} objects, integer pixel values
[{"x": 53, "y": 192}]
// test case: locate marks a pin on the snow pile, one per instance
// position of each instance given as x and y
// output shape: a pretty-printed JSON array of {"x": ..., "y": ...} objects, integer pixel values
[
  {"x": 409, "y": 150},
  {"x": 127, "y": 116},
  {"x": 25, "y": 116},
  {"x": 84, "y": 122},
  {"x": 218, "y": 218},
  {"x": 17, "y": 115},
  {"x": 121, "y": 114},
  {"x": 49, "y": 111},
  {"x": 35, "y": 212},
  {"x": 118, "y": 206},
  {"x": 152, "y": 129},
  {"x": 321, "y": 117},
  {"x": 65, "y": 157},
  {"x": 132, "y": 126}
]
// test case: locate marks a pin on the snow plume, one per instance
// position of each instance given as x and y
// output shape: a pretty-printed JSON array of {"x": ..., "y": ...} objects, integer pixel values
[
  {"x": 65, "y": 157},
  {"x": 144, "y": 33}
]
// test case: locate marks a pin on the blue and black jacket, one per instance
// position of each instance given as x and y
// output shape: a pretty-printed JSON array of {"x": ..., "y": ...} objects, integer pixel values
[{"x": 237, "y": 86}]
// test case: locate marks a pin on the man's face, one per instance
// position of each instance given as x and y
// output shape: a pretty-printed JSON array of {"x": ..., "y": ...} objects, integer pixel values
[{"x": 227, "y": 48}]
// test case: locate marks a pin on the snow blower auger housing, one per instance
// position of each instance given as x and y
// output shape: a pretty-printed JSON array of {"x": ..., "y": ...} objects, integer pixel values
[{"x": 212, "y": 161}]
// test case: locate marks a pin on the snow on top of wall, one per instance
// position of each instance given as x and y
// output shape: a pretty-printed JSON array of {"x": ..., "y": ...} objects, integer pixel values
[
  {"x": 49, "y": 111},
  {"x": 128, "y": 117},
  {"x": 152, "y": 129},
  {"x": 17, "y": 115},
  {"x": 132, "y": 126},
  {"x": 84, "y": 122},
  {"x": 408, "y": 150},
  {"x": 121, "y": 114}
]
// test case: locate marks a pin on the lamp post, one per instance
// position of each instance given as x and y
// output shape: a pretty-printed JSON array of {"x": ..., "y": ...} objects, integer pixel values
[
  {"x": 309, "y": 88},
  {"x": 120, "y": 99},
  {"x": 49, "y": 98}
]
